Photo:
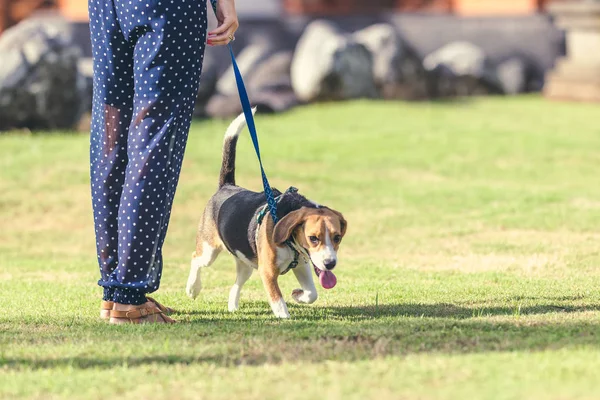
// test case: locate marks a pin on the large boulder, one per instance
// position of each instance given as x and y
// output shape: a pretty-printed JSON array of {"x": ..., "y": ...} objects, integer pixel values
[
  {"x": 223, "y": 106},
  {"x": 274, "y": 101},
  {"x": 225, "y": 101},
  {"x": 330, "y": 65},
  {"x": 271, "y": 84},
  {"x": 273, "y": 73},
  {"x": 462, "y": 69},
  {"x": 247, "y": 60},
  {"x": 40, "y": 83},
  {"x": 268, "y": 84},
  {"x": 513, "y": 75},
  {"x": 397, "y": 70}
]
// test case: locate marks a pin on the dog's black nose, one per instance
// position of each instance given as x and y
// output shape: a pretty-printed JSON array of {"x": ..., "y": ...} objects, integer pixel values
[{"x": 330, "y": 264}]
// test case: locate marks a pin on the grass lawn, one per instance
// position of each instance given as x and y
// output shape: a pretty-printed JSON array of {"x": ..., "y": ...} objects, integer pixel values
[{"x": 470, "y": 268}]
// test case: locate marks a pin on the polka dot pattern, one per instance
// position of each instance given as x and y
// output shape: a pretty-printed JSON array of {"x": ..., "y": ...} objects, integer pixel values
[{"x": 147, "y": 61}]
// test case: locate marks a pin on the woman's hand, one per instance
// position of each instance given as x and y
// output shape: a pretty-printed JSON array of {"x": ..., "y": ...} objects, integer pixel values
[{"x": 228, "y": 24}]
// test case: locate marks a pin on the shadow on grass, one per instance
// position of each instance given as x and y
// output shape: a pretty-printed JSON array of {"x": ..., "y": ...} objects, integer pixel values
[
  {"x": 234, "y": 343},
  {"x": 443, "y": 310},
  {"x": 250, "y": 311},
  {"x": 253, "y": 337}
]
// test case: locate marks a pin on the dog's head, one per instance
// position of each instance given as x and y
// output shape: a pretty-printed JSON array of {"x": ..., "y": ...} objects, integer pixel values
[{"x": 320, "y": 232}]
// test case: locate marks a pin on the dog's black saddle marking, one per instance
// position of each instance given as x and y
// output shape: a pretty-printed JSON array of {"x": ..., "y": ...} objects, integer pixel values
[
  {"x": 237, "y": 220},
  {"x": 236, "y": 216}
]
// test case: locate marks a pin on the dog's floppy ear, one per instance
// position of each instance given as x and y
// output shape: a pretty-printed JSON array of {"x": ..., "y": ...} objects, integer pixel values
[
  {"x": 343, "y": 223},
  {"x": 286, "y": 225}
]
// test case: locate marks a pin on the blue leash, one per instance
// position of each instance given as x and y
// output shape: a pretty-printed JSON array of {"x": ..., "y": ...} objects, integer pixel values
[{"x": 271, "y": 203}]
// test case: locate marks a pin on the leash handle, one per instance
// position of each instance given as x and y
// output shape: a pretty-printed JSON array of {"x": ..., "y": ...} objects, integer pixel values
[{"x": 272, "y": 204}]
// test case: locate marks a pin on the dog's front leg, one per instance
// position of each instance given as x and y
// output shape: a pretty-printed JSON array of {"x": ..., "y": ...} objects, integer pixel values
[
  {"x": 308, "y": 294},
  {"x": 269, "y": 275}
]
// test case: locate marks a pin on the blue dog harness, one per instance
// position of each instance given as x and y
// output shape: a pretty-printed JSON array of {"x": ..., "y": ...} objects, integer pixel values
[{"x": 261, "y": 216}]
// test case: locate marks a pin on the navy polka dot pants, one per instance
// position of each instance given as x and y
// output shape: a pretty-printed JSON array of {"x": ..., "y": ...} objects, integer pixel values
[{"x": 147, "y": 62}]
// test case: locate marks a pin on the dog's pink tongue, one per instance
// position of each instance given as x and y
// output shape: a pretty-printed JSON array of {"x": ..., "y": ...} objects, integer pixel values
[{"x": 327, "y": 279}]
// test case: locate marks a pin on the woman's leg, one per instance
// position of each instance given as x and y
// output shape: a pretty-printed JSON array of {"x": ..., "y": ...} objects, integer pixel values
[
  {"x": 168, "y": 38},
  {"x": 111, "y": 116}
]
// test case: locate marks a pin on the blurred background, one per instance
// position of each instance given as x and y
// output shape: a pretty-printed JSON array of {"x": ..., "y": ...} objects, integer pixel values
[{"x": 301, "y": 51}]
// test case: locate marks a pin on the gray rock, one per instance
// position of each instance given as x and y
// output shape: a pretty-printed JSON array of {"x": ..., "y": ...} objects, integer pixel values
[
  {"x": 223, "y": 106},
  {"x": 222, "y": 99},
  {"x": 512, "y": 75},
  {"x": 248, "y": 59},
  {"x": 273, "y": 73},
  {"x": 397, "y": 70},
  {"x": 40, "y": 83},
  {"x": 329, "y": 65},
  {"x": 272, "y": 101},
  {"x": 462, "y": 69},
  {"x": 267, "y": 101},
  {"x": 461, "y": 58},
  {"x": 268, "y": 84}
]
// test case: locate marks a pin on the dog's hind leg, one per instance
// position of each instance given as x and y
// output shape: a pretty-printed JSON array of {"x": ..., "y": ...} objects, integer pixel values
[
  {"x": 203, "y": 257},
  {"x": 243, "y": 274}
]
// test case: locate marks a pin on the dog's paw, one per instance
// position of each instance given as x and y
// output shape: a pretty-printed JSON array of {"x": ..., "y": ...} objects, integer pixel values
[
  {"x": 233, "y": 303},
  {"x": 232, "y": 307},
  {"x": 282, "y": 315},
  {"x": 304, "y": 297},
  {"x": 297, "y": 295},
  {"x": 280, "y": 309},
  {"x": 192, "y": 289}
]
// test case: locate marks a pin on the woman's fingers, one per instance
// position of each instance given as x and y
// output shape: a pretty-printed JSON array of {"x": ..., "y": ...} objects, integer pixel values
[
  {"x": 223, "y": 38},
  {"x": 226, "y": 35},
  {"x": 228, "y": 24},
  {"x": 219, "y": 41},
  {"x": 220, "y": 29}
]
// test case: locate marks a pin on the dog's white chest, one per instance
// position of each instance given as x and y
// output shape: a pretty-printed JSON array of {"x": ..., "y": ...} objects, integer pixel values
[{"x": 284, "y": 258}]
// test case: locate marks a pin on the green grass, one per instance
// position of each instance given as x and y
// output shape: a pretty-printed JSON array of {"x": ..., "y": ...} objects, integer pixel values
[{"x": 470, "y": 268}]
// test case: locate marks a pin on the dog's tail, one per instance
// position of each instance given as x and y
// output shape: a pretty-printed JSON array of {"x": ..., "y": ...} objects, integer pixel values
[{"x": 227, "y": 176}]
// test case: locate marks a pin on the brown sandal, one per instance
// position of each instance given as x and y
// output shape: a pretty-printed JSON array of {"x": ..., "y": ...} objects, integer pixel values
[
  {"x": 145, "y": 314},
  {"x": 164, "y": 309},
  {"x": 107, "y": 306}
]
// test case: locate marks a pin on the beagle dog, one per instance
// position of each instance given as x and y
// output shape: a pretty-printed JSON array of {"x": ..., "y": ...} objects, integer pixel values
[{"x": 307, "y": 236}]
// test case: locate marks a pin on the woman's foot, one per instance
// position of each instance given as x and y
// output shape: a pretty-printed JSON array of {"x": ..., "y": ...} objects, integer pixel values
[
  {"x": 147, "y": 313},
  {"x": 107, "y": 306}
]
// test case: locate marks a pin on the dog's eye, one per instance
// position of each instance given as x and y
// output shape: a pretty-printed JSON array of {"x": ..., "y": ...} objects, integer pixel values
[
  {"x": 337, "y": 239},
  {"x": 313, "y": 239}
]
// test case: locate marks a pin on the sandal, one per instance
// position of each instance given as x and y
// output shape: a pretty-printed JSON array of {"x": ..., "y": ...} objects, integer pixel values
[
  {"x": 107, "y": 306},
  {"x": 164, "y": 309},
  {"x": 148, "y": 313}
]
